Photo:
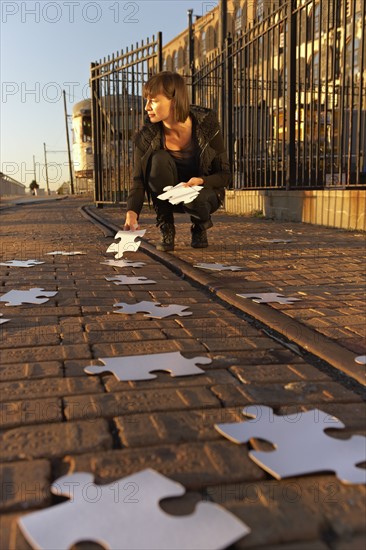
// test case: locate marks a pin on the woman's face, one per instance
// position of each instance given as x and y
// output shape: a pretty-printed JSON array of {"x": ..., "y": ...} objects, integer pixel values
[{"x": 159, "y": 108}]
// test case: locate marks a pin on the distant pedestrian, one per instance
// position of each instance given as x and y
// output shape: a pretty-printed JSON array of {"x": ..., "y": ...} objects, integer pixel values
[{"x": 179, "y": 143}]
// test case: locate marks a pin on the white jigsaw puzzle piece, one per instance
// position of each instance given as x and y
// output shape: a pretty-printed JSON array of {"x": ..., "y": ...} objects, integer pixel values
[
  {"x": 2, "y": 321},
  {"x": 31, "y": 296},
  {"x": 124, "y": 280},
  {"x": 277, "y": 240},
  {"x": 179, "y": 193},
  {"x": 123, "y": 263},
  {"x": 301, "y": 445},
  {"x": 268, "y": 297},
  {"x": 127, "y": 516},
  {"x": 21, "y": 263},
  {"x": 361, "y": 359},
  {"x": 219, "y": 267},
  {"x": 126, "y": 243},
  {"x": 152, "y": 309},
  {"x": 64, "y": 253},
  {"x": 140, "y": 367}
]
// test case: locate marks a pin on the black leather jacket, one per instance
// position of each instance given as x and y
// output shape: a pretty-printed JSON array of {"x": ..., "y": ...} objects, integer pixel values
[{"x": 214, "y": 165}]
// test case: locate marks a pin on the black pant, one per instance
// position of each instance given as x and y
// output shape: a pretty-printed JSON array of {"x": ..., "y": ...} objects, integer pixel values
[{"x": 163, "y": 172}]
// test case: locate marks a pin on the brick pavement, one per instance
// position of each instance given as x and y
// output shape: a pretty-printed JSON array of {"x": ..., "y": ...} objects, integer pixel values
[
  {"x": 324, "y": 267},
  {"x": 57, "y": 420}
]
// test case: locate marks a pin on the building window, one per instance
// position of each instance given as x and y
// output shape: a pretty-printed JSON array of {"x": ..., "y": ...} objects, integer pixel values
[
  {"x": 313, "y": 71},
  {"x": 181, "y": 57},
  {"x": 260, "y": 10},
  {"x": 314, "y": 22},
  {"x": 238, "y": 21},
  {"x": 216, "y": 36},
  {"x": 203, "y": 43},
  {"x": 353, "y": 57},
  {"x": 175, "y": 61},
  {"x": 169, "y": 63}
]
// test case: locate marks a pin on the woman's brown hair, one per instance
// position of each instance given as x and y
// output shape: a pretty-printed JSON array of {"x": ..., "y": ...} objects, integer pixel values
[{"x": 171, "y": 85}]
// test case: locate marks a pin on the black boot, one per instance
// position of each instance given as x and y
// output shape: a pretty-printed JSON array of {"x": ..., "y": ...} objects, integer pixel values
[
  {"x": 167, "y": 230},
  {"x": 199, "y": 234}
]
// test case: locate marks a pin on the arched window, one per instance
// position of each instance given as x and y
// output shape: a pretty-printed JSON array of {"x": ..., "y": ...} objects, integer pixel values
[
  {"x": 169, "y": 63},
  {"x": 181, "y": 57},
  {"x": 238, "y": 21},
  {"x": 175, "y": 60},
  {"x": 216, "y": 36},
  {"x": 203, "y": 43},
  {"x": 210, "y": 39}
]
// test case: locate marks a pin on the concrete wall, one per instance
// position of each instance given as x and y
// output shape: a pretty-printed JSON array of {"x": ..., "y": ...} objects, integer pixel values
[{"x": 333, "y": 208}]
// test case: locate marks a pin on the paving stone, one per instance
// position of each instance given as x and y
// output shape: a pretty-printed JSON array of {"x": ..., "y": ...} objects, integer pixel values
[
  {"x": 278, "y": 373},
  {"x": 118, "y": 322},
  {"x": 31, "y": 371},
  {"x": 44, "y": 353},
  {"x": 164, "y": 380},
  {"x": 279, "y": 394},
  {"x": 31, "y": 389},
  {"x": 124, "y": 336},
  {"x": 195, "y": 465},
  {"x": 146, "y": 347},
  {"x": 123, "y": 403},
  {"x": 54, "y": 440},
  {"x": 45, "y": 310},
  {"x": 30, "y": 411},
  {"x": 278, "y": 507},
  {"x": 141, "y": 430},
  {"x": 24, "y": 485},
  {"x": 232, "y": 344}
]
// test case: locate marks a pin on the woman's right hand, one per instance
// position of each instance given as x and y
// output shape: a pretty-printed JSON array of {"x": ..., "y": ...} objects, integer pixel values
[{"x": 131, "y": 221}]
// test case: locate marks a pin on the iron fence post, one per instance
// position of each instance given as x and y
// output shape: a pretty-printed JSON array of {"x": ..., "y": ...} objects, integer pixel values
[
  {"x": 227, "y": 98},
  {"x": 291, "y": 95},
  {"x": 160, "y": 51},
  {"x": 191, "y": 54},
  {"x": 95, "y": 97}
]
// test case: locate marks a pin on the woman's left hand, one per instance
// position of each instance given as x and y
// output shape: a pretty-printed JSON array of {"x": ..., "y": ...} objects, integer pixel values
[{"x": 194, "y": 181}]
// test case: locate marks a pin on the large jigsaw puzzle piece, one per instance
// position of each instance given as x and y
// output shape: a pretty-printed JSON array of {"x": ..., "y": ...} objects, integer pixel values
[
  {"x": 2, "y": 321},
  {"x": 125, "y": 280},
  {"x": 301, "y": 445},
  {"x": 21, "y": 263},
  {"x": 140, "y": 367},
  {"x": 218, "y": 267},
  {"x": 126, "y": 243},
  {"x": 31, "y": 296},
  {"x": 65, "y": 253},
  {"x": 179, "y": 193},
  {"x": 152, "y": 309},
  {"x": 123, "y": 263},
  {"x": 268, "y": 297},
  {"x": 126, "y": 515}
]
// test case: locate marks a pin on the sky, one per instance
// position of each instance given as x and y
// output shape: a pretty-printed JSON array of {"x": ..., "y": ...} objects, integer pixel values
[{"x": 47, "y": 47}]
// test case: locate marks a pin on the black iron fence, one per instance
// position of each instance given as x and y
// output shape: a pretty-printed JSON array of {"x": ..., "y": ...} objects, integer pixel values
[
  {"x": 291, "y": 95},
  {"x": 117, "y": 113},
  {"x": 289, "y": 91}
]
